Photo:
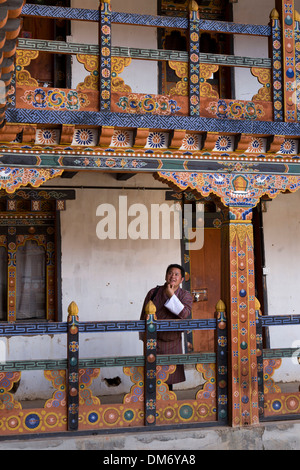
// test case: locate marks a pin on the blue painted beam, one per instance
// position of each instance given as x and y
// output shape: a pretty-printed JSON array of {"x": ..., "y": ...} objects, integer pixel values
[
  {"x": 144, "y": 20},
  {"x": 122, "y": 120}
]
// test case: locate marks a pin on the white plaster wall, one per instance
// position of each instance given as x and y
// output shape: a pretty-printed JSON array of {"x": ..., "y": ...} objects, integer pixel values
[
  {"x": 101, "y": 275},
  {"x": 140, "y": 75},
  {"x": 250, "y": 12},
  {"x": 83, "y": 33},
  {"x": 282, "y": 235}
]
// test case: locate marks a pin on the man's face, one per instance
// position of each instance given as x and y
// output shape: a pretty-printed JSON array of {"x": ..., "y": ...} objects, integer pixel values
[{"x": 174, "y": 277}]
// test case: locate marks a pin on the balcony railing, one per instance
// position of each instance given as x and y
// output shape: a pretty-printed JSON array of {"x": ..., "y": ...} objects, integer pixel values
[
  {"x": 149, "y": 403},
  {"x": 103, "y": 91},
  {"x": 274, "y": 402}
]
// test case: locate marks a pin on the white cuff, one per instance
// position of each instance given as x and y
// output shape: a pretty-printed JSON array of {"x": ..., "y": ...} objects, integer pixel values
[{"x": 174, "y": 305}]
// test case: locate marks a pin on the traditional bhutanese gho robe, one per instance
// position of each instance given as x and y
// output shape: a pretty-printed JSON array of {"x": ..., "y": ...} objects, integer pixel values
[{"x": 169, "y": 342}]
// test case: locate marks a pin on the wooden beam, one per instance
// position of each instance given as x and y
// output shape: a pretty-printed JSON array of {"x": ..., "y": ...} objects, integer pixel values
[
  {"x": 124, "y": 176},
  {"x": 61, "y": 47},
  {"x": 69, "y": 174}
]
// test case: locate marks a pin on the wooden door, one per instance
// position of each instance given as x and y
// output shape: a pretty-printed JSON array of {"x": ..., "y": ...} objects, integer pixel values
[{"x": 205, "y": 268}]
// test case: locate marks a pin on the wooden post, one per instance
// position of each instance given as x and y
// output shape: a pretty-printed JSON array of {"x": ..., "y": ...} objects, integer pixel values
[
  {"x": 286, "y": 9},
  {"x": 73, "y": 367},
  {"x": 222, "y": 360},
  {"x": 278, "y": 113},
  {"x": 150, "y": 344},
  {"x": 297, "y": 48},
  {"x": 105, "y": 55},
  {"x": 11, "y": 274},
  {"x": 194, "y": 62},
  {"x": 238, "y": 291}
]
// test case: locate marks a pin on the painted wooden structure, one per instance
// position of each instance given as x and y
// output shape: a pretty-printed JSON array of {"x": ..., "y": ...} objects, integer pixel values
[
  {"x": 74, "y": 407},
  {"x": 149, "y": 403},
  {"x": 234, "y": 151}
]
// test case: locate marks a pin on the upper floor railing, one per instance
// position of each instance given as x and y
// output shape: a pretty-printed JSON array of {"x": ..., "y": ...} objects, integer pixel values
[{"x": 104, "y": 90}]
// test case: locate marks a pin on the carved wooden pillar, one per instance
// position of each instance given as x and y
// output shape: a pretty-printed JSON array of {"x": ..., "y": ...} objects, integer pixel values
[
  {"x": 289, "y": 37},
  {"x": 238, "y": 291},
  {"x": 105, "y": 55},
  {"x": 238, "y": 193},
  {"x": 277, "y": 67},
  {"x": 150, "y": 346},
  {"x": 72, "y": 379},
  {"x": 194, "y": 62}
]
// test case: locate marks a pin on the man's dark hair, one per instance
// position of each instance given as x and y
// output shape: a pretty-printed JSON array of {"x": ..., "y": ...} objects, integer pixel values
[{"x": 176, "y": 266}]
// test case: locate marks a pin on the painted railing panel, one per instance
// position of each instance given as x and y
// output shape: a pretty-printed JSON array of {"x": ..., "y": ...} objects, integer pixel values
[
  {"x": 273, "y": 402},
  {"x": 191, "y": 97},
  {"x": 73, "y": 406},
  {"x": 149, "y": 402},
  {"x": 276, "y": 101}
]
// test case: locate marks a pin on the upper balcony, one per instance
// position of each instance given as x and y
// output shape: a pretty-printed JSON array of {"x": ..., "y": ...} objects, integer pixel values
[{"x": 79, "y": 82}]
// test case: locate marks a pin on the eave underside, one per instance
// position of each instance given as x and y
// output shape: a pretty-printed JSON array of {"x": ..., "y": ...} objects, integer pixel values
[{"x": 142, "y": 149}]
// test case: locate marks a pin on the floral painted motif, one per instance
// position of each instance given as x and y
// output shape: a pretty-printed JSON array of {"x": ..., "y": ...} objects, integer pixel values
[
  {"x": 42, "y": 98},
  {"x": 288, "y": 147},
  {"x": 12, "y": 179},
  {"x": 190, "y": 142},
  {"x": 47, "y": 137},
  {"x": 242, "y": 190},
  {"x": 235, "y": 109},
  {"x": 257, "y": 145},
  {"x": 157, "y": 140},
  {"x": 35, "y": 98},
  {"x": 122, "y": 139},
  {"x": 85, "y": 137},
  {"x": 7, "y": 381},
  {"x": 142, "y": 104},
  {"x": 224, "y": 144}
]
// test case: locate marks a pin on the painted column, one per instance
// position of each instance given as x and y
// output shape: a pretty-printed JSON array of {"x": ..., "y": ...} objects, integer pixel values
[
  {"x": 287, "y": 15},
  {"x": 238, "y": 291},
  {"x": 222, "y": 365},
  {"x": 238, "y": 193},
  {"x": 260, "y": 360},
  {"x": 277, "y": 67},
  {"x": 194, "y": 62},
  {"x": 150, "y": 345},
  {"x": 73, "y": 367},
  {"x": 11, "y": 273},
  {"x": 297, "y": 58},
  {"x": 105, "y": 55}
]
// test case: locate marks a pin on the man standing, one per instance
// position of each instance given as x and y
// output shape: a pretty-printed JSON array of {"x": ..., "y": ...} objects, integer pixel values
[{"x": 171, "y": 303}]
